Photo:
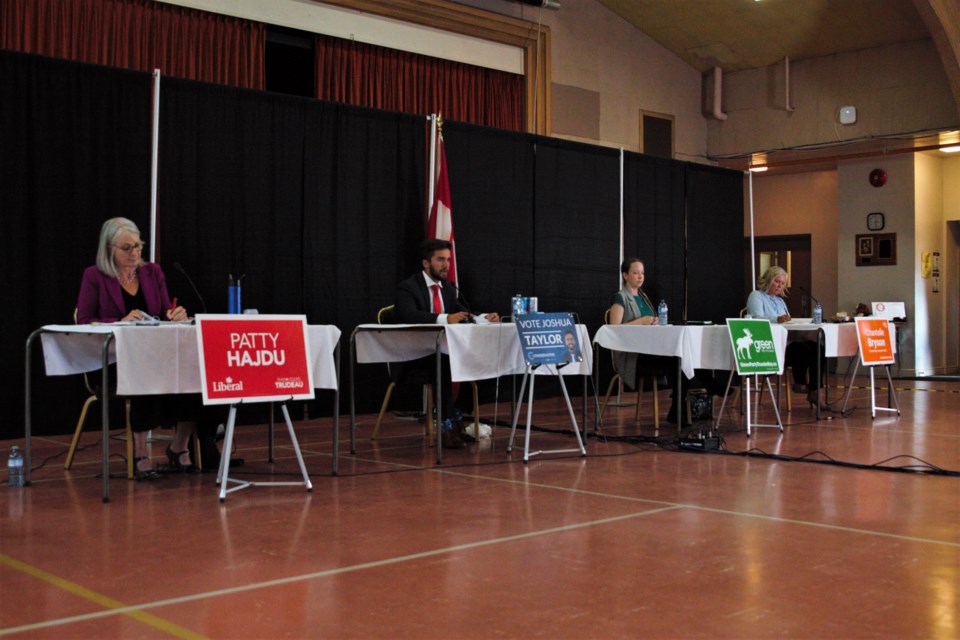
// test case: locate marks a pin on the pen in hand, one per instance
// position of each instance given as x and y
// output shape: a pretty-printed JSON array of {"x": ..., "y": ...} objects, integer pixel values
[{"x": 172, "y": 311}]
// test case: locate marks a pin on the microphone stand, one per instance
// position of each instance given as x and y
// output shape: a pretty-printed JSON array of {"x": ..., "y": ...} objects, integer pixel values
[{"x": 179, "y": 267}]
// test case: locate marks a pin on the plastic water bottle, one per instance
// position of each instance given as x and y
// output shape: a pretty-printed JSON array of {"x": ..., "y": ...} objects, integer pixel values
[
  {"x": 817, "y": 313},
  {"x": 15, "y": 468},
  {"x": 662, "y": 313},
  {"x": 517, "y": 306},
  {"x": 234, "y": 302}
]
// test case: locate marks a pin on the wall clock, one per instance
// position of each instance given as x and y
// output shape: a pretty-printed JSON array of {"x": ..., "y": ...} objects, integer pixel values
[
  {"x": 875, "y": 221},
  {"x": 878, "y": 177}
]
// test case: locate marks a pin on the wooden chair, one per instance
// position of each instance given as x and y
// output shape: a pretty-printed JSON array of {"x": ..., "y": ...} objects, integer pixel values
[
  {"x": 617, "y": 376},
  {"x": 385, "y": 316},
  {"x": 94, "y": 395}
]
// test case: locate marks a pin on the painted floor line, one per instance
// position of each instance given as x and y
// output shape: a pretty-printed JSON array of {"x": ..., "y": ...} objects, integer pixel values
[
  {"x": 113, "y": 607},
  {"x": 138, "y": 609},
  {"x": 742, "y": 514}
]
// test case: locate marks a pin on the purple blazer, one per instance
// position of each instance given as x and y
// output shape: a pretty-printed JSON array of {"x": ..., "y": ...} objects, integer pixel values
[{"x": 101, "y": 297}]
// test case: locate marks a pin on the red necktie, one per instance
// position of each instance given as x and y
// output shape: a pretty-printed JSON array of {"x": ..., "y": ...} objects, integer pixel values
[{"x": 437, "y": 304}]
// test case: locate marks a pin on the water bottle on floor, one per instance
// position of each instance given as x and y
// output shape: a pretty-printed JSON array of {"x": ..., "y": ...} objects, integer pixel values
[
  {"x": 662, "y": 313},
  {"x": 15, "y": 468}
]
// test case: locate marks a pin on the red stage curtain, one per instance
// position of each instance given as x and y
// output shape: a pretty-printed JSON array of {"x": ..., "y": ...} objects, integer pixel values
[
  {"x": 373, "y": 76},
  {"x": 138, "y": 34}
]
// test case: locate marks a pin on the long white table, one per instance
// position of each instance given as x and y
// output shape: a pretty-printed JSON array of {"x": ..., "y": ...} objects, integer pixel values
[
  {"x": 694, "y": 346},
  {"x": 477, "y": 352},
  {"x": 155, "y": 359}
]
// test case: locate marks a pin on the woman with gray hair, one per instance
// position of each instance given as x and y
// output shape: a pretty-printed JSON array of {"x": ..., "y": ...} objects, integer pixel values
[
  {"x": 767, "y": 301},
  {"x": 122, "y": 287}
]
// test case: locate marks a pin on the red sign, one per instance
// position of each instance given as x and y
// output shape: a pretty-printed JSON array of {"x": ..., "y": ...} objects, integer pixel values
[
  {"x": 876, "y": 342},
  {"x": 253, "y": 358}
]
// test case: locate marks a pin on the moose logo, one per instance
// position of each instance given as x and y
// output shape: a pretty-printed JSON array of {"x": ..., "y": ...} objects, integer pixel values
[
  {"x": 744, "y": 344},
  {"x": 753, "y": 346}
]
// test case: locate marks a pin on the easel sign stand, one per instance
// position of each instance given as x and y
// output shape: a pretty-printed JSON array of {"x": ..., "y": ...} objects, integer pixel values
[
  {"x": 755, "y": 355},
  {"x": 546, "y": 339},
  {"x": 876, "y": 348},
  {"x": 246, "y": 359}
]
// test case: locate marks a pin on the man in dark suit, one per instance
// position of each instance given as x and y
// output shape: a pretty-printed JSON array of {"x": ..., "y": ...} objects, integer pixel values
[
  {"x": 427, "y": 298},
  {"x": 570, "y": 341}
]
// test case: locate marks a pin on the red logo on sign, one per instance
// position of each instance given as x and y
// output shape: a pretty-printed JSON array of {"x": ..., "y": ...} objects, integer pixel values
[{"x": 259, "y": 358}]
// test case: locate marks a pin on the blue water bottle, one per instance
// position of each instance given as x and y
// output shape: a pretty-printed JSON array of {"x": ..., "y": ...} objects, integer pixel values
[
  {"x": 662, "y": 313},
  {"x": 233, "y": 294},
  {"x": 817, "y": 313}
]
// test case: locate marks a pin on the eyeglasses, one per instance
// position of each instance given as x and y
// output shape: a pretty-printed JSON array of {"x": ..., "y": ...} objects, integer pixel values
[{"x": 130, "y": 248}]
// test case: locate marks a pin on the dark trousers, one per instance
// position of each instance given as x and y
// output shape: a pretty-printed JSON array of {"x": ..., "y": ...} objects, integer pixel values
[
  {"x": 801, "y": 357},
  {"x": 424, "y": 371}
]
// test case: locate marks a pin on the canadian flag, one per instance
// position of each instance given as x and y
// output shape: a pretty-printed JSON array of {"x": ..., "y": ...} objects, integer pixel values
[{"x": 440, "y": 223}]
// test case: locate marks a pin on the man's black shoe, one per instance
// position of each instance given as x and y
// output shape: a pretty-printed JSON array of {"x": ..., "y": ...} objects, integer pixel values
[
  {"x": 462, "y": 433},
  {"x": 450, "y": 439}
]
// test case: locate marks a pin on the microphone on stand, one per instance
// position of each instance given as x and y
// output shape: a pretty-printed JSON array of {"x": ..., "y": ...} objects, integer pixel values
[
  {"x": 817, "y": 309},
  {"x": 179, "y": 267},
  {"x": 463, "y": 299},
  {"x": 815, "y": 301}
]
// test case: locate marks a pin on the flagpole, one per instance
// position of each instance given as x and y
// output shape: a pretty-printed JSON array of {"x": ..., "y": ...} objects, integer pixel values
[
  {"x": 753, "y": 259},
  {"x": 432, "y": 119},
  {"x": 619, "y": 283}
]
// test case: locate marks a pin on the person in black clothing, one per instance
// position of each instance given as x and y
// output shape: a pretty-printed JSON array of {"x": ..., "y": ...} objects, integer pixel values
[{"x": 427, "y": 297}]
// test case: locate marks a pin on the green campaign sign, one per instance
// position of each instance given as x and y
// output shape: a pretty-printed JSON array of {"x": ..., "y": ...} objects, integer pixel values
[{"x": 753, "y": 346}]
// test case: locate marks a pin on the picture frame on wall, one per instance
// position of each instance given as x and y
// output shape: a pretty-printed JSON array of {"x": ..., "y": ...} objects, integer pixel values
[{"x": 876, "y": 249}]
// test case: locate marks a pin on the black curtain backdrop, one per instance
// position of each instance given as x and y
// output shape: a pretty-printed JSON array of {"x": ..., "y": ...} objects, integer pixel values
[
  {"x": 577, "y": 226},
  {"x": 653, "y": 227},
  {"x": 714, "y": 201},
  {"x": 74, "y": 151},
  {"x": 313, "y": 203},
  {"x": 321, "y": 206},
  {"x": 491, "y": 184},
  {"x": 230, "y": 195}
]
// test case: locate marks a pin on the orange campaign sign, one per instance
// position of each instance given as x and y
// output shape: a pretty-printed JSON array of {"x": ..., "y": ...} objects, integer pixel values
[
  {"x": 876, "y": 341},
  {"x": 253, "y": 358}
]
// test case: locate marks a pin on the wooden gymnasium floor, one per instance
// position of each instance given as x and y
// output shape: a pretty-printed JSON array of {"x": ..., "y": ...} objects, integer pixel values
[{"x": 635, "y": 540}]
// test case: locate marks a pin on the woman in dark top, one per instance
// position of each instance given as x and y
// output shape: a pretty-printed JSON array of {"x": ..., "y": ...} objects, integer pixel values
[
  {"x": 122, "y": 287},
  {"x": 630, "y": 305}
]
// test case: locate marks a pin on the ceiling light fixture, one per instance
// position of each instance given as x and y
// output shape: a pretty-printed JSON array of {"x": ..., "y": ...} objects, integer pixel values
[
  {"x": 758, "y": 162},
  {"x": 950, "y": 149}
]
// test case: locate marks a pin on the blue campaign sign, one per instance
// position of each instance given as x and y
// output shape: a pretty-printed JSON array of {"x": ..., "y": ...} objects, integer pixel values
[{"x": 548, "y": 338}]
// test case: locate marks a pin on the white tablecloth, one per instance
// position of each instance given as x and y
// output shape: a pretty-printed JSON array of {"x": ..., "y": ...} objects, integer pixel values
[
  {"x": 477, "y": 351},
  {"x": 839, "y": 340},
  {"x": 160, "y": 359},
  {"x": 698, "y": 347}
]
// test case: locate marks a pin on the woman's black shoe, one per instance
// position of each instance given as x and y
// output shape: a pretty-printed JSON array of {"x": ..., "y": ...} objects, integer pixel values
[
  {"x": 143, "y": 474},
  {"x": 173, "y": 457}
]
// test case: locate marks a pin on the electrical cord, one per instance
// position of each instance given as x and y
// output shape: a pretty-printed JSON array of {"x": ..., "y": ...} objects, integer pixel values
[{"x": 924, "y": 468}]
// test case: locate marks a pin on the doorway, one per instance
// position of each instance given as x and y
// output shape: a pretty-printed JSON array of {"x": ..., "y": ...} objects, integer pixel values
[{"x": 792, "y": 253}]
